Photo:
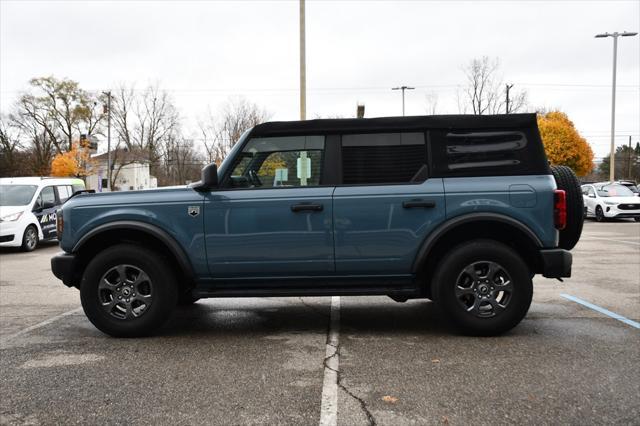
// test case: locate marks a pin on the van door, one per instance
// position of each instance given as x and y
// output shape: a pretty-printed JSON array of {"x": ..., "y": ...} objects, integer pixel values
[{"x": 45, "y": 211}]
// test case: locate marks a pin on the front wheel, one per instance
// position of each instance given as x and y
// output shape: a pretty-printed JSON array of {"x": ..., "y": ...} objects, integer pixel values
[
  {"x": 483, "y": 287},
  {"x": 637, "y": 219},
  {"x": 128, "y": 291},
  {"x": 30, "y": 239},
  {"x": 599, "y": 214}
]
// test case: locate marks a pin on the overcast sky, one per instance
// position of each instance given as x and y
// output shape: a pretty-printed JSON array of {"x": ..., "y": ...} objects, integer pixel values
[{"x": 202, "y": 52}]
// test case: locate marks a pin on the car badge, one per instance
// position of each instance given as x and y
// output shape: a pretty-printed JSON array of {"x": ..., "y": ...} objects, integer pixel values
[{"x": 193, "y": 211}]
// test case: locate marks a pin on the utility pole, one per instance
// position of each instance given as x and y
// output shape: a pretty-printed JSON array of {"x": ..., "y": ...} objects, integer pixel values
[
  {"x": 615, "y": 36},
  {"x": 509, "y": 86},
  {"x": 303, "y": 65},
  {"x": 403, "y": 88},
  {"x": 108, "y": 139}
]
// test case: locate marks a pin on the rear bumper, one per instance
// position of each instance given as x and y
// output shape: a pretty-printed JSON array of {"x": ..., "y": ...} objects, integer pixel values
[
  {"x": 62, "y": 266},
  {"x": 556, "y": 263}
]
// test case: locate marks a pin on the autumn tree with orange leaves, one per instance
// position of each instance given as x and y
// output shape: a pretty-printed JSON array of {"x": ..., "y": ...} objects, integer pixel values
[
  {"x": 563, "y": 144},
  {"x": 77, "y": 162}
]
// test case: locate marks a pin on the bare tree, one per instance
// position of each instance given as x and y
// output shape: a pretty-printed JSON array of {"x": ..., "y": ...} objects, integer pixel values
[
  {"x": 9, "y": 145},
  {"x": 221, "y": 133},
  {"x": 431, "y": 103},
  {"x": 145, "y": 122},
  {"x": 485, "y": 91}
]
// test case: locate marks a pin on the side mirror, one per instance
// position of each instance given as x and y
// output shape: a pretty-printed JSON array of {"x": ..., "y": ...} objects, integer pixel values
[
  {"x": 208, "y": 179},
  {"x": 591, "y": 195}
]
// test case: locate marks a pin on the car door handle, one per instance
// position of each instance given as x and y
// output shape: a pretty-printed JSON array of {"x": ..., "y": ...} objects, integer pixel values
[
  {"x": 413, "y": 204},
  {"x": 307, "y": 207}
]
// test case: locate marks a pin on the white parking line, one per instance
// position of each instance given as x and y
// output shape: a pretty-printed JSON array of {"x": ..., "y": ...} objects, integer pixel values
[
  {"x": 329, "y": 406},
  {"x": 601, "y": 310},
  {"x": 5, "y": 339},
  {"x": 610, "y": 239}
]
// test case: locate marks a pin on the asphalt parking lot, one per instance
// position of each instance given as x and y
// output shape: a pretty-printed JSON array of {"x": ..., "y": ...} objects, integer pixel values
[{"x": 266, "y": 360}]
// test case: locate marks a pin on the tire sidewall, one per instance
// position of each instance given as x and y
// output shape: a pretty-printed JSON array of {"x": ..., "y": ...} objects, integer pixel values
[
  {"x": 599, "y": 217},
  {"x": 476, "y": 251},
  {"x": 163, "y": 288}
]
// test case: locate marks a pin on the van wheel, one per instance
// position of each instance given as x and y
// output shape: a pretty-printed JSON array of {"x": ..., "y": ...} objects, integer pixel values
[
  {"x": 567, "y": 180},
  {"x": 483, "y": 287},
  {"x": 30, "y": 238},
  {"x": 128, "y": 291}
]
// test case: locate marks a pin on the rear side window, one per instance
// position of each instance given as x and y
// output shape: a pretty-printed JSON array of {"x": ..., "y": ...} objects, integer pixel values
[
  {"x": 380, "y": 158},
  {"x": 64, "y": 192},
  {"x": 487, "y": 152}
]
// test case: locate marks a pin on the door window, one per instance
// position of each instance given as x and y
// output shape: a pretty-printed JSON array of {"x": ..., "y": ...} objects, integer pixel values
[
  {"x": 46, "y": 199},
  {"x": 278, "y": 162},
  {"x": 380, "y": 158}
]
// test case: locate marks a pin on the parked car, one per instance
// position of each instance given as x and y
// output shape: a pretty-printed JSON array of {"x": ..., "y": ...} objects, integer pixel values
[
  {"x": 463, "y": 210},
  {"x": 610, "y": 200},
  {"x": 631, "y": 185},
  {"x": 28, "y": 208}
]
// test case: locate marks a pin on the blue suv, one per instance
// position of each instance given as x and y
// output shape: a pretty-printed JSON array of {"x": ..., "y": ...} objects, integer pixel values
[{"x": 462, "y": 210}]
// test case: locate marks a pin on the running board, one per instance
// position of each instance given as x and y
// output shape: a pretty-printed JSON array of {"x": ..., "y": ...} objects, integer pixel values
[{"x": 291, "y": 291}]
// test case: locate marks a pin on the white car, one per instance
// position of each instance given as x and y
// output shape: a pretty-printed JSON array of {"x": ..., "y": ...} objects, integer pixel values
[
  {"x": 28, "y": 208},
  {"x": 610, "y": 200}
]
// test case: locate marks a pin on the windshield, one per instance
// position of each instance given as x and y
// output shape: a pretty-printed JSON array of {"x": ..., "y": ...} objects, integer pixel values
[
  {"x": 16, "y": 195},
  {"x": 615, "y": 191}
]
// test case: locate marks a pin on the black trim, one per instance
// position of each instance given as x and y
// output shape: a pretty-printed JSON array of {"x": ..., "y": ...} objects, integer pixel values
[
  {"x": 7, "y": 238},
  {"x": 556, "y": 263},
  {"x": 62, "y": 266},
  {"x": 173, "y": 246},
  {"x": 434, "y": 237}
]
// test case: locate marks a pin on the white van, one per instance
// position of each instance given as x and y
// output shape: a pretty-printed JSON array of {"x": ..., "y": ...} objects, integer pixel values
[{"x": 28, "y": 208}]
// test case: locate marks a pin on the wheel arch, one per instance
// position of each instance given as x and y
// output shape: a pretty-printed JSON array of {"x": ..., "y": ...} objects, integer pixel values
[
  {"x": 473, "y": 226},
  {"x": 140, "y": 233}
]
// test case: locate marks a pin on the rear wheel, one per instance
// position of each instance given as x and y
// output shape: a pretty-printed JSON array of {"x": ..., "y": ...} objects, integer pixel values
[
  {"x": 483, "y": 287},
  {"x": 128, "y": 291},
  {"x": 637, "y": 219},
  {"x": 567, "y": 180},
  {"x": 30, "y": 239}
]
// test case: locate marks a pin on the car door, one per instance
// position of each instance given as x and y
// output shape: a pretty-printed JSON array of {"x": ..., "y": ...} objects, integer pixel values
[
  {"x": 45, "y": 211},
  {"x": 386, "y": 205},
  {"x": 271, "y": 216}
]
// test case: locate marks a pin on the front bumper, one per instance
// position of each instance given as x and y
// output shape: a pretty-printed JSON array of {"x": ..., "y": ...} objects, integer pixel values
[
  {"x": 556, "y": 263},
  {"x": 614, "y": 211},
  {"x": 62, "y": 266},
  {"x": 11, "y": 234}
]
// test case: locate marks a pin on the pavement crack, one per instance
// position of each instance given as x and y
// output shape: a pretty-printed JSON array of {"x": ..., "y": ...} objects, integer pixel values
[{"x": 341, "y": 385}]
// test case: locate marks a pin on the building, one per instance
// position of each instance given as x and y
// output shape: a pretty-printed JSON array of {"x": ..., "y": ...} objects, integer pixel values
[{"x": 130, "y": 171}]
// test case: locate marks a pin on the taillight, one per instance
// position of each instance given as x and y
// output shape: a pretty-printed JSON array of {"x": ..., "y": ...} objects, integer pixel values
[
  {"x": 560, "y": 209},
  {"x": 59, "y": 223}
]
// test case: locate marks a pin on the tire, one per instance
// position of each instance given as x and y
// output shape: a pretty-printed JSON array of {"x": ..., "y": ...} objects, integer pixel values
[
  {"x": 637, "y": 219},
  {"x": 568, "y": 181},
  {"x": 29, "y": 239},
  {"x": 474, "y": 302},
  {"x": 599, "y": 214},
  {"x": 121, "y": 271}
]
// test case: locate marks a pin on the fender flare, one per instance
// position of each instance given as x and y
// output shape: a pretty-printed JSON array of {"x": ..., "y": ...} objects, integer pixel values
[
  {"x": 170, "y": 243},
  {"x": 434, "y": 237}
]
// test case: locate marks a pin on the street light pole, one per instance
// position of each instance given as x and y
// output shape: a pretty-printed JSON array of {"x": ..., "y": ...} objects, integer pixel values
[
  {"x": 615, "y": 36},
  {"x": 403, "y": 88}
]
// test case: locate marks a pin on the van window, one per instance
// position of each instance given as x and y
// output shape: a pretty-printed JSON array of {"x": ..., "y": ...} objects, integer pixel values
[
  {"x": 64, "y": 192},
  {"x": 46, "y": 199},
  {"x": 380, "y": 158}
]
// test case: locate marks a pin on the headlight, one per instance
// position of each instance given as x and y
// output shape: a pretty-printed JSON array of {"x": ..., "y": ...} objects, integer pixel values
[
  {"x": 11, "y": 217},
  {"x": 611, "y": 203}
]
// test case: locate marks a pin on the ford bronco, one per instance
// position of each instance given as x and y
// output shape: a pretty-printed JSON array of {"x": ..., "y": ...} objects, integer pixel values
[{"x": 462, "y": 210}]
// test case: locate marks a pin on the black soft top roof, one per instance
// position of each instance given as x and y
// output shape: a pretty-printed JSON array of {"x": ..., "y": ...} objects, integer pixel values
[{"x": 417, "y": 123}]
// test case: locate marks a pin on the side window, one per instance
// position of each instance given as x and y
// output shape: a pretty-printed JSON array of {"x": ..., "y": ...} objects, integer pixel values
[
  {"x": 380, "y": 158},
  {"x": 290, "y": 161},
  {"x": 591, "y": 192},
  {"x": 64, "y": 192},
  {"x": 47, "y": 198},
  {"x": 484, "y": 150}
]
